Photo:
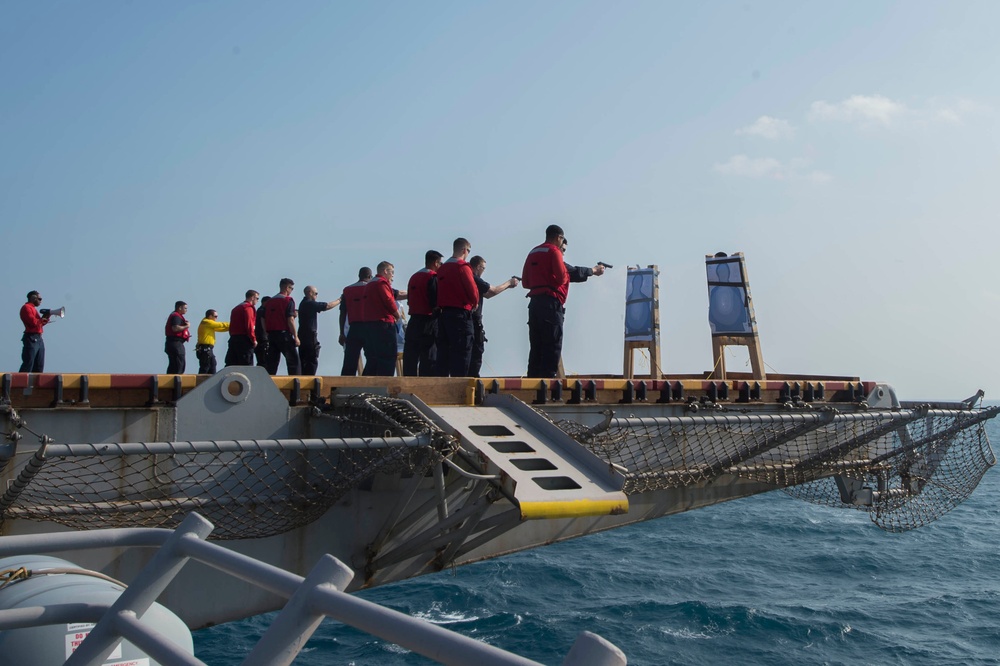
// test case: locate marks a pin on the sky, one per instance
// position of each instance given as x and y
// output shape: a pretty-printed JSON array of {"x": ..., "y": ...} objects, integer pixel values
[{"x": 160, "y": 151}]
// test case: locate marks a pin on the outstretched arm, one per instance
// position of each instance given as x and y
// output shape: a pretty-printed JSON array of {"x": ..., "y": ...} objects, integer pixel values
[{"x": 502, "y": 287}]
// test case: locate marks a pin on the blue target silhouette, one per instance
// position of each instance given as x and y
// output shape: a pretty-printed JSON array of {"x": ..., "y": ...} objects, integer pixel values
[{"x": 727, "y": 310}]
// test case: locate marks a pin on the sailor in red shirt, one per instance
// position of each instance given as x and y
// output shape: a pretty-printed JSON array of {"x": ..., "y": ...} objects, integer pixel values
[
  {"x": 458, "y": 296},
  {"x": 178, "y": 331},
  {"x": 279, "y": 321},
  {"x": 420, "y": 343},
  {"x": 33, "y": 349},
  {"x": 547, "y": 276},
  {"x": 351, "y": 327},
  {"x": 379, "y": 314},
  {"x": 242, "y": 331}
]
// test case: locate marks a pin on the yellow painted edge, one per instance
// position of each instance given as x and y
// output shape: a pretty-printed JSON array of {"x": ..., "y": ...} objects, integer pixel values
[
  {"x": 70, "y": 381},
  {"x": 573, "y": 509},
  {"x": 167, "y": 381},
  {"x": 306, "y": 382},
  {"x": 99, "y": 381}
]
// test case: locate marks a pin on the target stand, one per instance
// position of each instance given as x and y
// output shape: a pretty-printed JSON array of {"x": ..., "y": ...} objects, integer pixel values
[
  {"x": 730, "y": 313},
  {"x": 642, "y": 319}
]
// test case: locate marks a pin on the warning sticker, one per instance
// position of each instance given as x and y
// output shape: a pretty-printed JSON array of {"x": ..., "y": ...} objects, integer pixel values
[
  {"x": 73, "y": 640},
  {"x": 131, "y": 662}
]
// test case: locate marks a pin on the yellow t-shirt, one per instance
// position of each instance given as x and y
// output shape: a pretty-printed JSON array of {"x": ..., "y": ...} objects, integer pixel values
[{"x": 207, "y": 329}]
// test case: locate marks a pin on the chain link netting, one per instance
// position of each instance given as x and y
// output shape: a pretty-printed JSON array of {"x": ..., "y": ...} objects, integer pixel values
[
  {"x": 255, "y": 491},
  {"x": 906, "y": 467}
]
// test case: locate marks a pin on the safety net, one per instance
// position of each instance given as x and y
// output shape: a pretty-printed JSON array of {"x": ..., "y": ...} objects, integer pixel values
[
  {"x": 247, "y": 488},
  {"x": 907, "y": 467}
]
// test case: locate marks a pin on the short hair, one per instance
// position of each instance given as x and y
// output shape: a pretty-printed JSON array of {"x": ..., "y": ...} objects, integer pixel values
[
  {"x": 251, "y": 293},
  {"x": 31, "y": 294},
  {"x": 209, "y": 313},
  {"x": 476, "y": 261},
  {"x": 365, "y": 273},
  {"x": 460, "y": 245},
  {"x": 285, "y": 282},
  {"x": 552, "y": 231},
  {"x": 382, "y": 265},
  {"x": 179, "y": 304},
  {"x": 265, "y": 300},
  {"x": 431, "y": 256}
]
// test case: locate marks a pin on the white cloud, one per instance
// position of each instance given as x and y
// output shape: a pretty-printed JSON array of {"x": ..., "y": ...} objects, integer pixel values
[
  {"x": 768, "y": 128},
  {"x": 880, "y": 111},
  {"x": 770, "y": 168},
  {"x": 864, "y": 109}
]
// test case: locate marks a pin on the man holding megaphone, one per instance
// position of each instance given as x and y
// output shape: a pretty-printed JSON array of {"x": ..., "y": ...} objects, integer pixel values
[{"x": 33, "y": 352}]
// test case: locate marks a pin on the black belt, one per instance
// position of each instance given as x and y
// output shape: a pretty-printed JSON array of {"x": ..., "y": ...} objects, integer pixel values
[{"x": 544, "y": 301}]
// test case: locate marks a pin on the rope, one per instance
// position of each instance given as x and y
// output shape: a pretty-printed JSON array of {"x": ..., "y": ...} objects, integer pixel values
[{"x": 9, "y": 576}]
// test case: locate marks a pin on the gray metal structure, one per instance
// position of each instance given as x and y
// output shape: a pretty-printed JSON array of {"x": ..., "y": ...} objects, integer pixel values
[
  {"x": 394, "y": 488},
  {"x": 309, "y": 600}
]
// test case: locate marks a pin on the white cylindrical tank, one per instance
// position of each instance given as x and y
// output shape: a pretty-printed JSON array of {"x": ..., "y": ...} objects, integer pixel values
[{"x": 52, "y": 644}]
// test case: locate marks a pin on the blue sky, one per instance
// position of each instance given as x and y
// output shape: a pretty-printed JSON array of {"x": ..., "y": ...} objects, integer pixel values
[{"x": 154, "y": 151}]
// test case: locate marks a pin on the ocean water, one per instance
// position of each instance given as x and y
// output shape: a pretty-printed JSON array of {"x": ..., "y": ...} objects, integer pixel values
[{"x": 764, "y": 580}]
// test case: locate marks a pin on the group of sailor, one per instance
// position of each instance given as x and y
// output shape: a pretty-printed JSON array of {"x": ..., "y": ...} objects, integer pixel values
[{"x": 445, "y": 336}]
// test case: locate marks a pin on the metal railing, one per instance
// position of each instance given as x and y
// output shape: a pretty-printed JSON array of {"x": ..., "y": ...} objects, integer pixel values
[{"x": 310, "y": 599}]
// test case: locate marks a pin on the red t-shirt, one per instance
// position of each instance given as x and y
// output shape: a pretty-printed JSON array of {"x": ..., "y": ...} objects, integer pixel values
[
  {"x": 243, "y": 321},
  {"x": 277, "y": 311},
  {"x": 456, "y": 287},
  {"x": 32, "y": 322},
  {"x": 378, "y": 303},
  {"x": 419, "y": 292},
  {"x": 177, "y": 319},
  {"x": 544, "y": 273},
  {"x": 354, "y": 301}
]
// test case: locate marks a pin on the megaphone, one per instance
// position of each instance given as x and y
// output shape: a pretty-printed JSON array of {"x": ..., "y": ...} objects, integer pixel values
[{"x": 45, "y": 312}]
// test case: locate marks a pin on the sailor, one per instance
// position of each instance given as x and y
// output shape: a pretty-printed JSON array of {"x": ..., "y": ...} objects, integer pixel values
[
  {"x": 379, "y": 314},
  {"x": 485, "y": 290},
  {"x": 457, "y": 298},
  {"x": 309, "y": 309},
  {"x": 178, "y": 331},
  {"x": 260, "y": 351},
  {"x": 33, "y": 347},
  {"x": 242, "y": 331},
  {"x": 351, "y": 306},
  {"x": 420, "y": 343},
  {"x": 279, "y": 321},
  {"x": 546, "y": 277},
  {"x": 205, "y": 349}
]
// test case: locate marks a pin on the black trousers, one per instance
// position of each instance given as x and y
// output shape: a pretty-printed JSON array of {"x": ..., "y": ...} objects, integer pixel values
[
  {"x": 380, "y": 348},
  {"x": 454, "y": 342},
  {"x": 240, "y": 350},
  {"x": 260, "y": 351},
  {"x": 352, "y": 349},
  {"x": 176, "y": 363},
  {"x": 32, "y": 353},
  {"x": 478, "y": 346},
  {"x": 420, "y": 346},
  {"x": 545, "y": 336},
  {"x": 281, "y": 343},
  {"x": 207, "y": 365},
  {"x": 308, "y": 352}
]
